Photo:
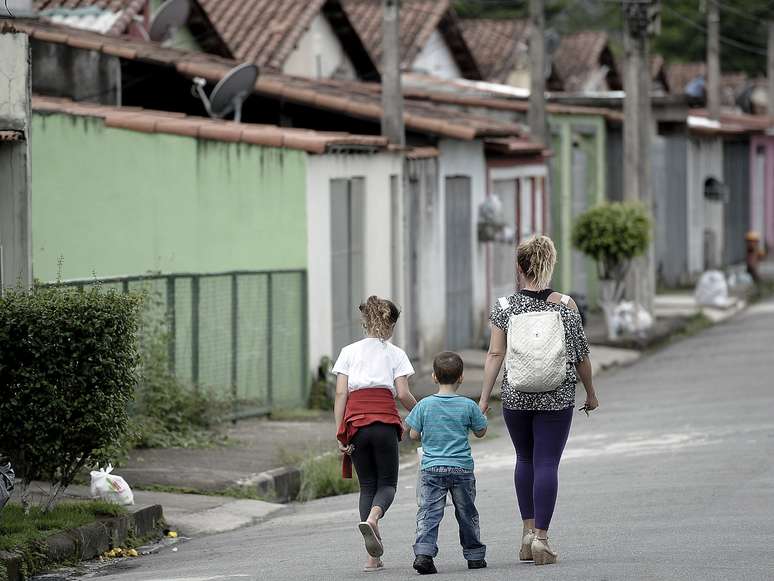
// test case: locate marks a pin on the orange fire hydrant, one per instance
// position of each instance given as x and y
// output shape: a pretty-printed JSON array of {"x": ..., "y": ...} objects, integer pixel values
[{"x": 754, "y": 254}]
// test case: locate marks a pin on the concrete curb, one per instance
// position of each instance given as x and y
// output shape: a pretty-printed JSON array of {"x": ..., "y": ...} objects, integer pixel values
[
  {"x": 279, "y": 484},
  {"x": 82, "y": 543}
]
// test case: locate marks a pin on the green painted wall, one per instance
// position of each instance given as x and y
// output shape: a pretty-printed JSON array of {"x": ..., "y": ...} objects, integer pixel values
[
  {"x": 589, "y": 133},
  {"x": 115, "y": 202}
]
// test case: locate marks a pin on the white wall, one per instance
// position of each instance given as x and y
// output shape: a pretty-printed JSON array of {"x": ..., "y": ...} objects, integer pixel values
[
  {"x": 436, "y": 59},
  {"x": 319, "y": 54},
  {"x": 705, "y": 160},
  {"x": 466, "y": 158},
  {"x": 376, "y": 169}
]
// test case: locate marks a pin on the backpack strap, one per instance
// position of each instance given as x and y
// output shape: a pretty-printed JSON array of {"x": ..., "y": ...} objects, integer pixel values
[
  {"x": 565, "y": 300},
  {"x": 503, "y": 302}
]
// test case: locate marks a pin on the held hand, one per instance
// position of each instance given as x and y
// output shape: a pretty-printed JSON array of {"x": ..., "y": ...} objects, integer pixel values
[
  {"x": 483, "y": 405},
  {"x": 346, "y": 449}
]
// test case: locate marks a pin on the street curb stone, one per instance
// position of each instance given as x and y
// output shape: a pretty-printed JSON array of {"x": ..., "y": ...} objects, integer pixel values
[
  {"x": 85, "y": 542},
  {"x": 280, "y": 484}
]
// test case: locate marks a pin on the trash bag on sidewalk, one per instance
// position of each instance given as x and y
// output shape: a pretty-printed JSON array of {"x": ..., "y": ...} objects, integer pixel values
[
  {"x": 7, "y": 478},
  {"x": 712, "y": 290},
  {"x": 631, "y": 319},
  {"x": 109, "y": 487}
]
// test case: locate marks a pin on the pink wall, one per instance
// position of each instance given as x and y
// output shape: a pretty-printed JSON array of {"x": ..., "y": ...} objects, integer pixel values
[{"x": 766, "y": 208}]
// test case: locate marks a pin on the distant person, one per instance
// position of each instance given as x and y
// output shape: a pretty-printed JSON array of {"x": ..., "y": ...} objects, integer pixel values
[
  {"x": 371, "y": 372},
  {"x": 539, "y": 335},
  {"x": 443, "y": 421}
]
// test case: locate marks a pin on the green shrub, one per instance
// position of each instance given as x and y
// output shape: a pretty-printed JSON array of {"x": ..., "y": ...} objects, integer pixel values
[
  {"x": 321, "y": 476},
  {"x": 68, "y": 362},
  {"x": 613, "y": 234},
  {"x": 166, "y": 412}
]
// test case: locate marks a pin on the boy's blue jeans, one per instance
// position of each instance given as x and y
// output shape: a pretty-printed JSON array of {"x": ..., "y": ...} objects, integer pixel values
[{"x": 435, "y": 483}]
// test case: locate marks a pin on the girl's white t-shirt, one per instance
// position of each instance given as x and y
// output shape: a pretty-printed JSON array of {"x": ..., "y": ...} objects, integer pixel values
[{"x": 372, "y": 362}]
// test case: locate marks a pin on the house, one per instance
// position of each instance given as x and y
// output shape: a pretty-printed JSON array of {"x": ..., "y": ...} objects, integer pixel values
[
  {"x": 431, "y": 40},
  {"x": 582, "y": 62},
  {"x": 241, "y": 229},
  {"x": 311, "y": 38},
  {"x": 585, "y": 144},
  {"x": 445, "y": 171}
]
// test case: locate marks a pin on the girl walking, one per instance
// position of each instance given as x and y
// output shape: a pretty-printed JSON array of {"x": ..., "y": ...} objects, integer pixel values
[
  {"x": 538, "y": 419},
  {"x": 370, "y": 374}
]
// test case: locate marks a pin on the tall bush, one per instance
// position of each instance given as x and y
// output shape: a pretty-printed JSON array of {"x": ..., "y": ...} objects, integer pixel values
[
  {"x": 68, "y": 362},
  {"x": 613, "y": 235}
]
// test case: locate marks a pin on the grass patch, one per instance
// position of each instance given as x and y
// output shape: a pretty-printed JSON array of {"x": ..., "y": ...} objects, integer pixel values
[
  {"x": 763, "y": 290},
  {"x": 20, "y": 530},
  {"x": 321, "y": 477},
  {"x": 241, "y": 492},
  {"x": 693, "y": 325}
]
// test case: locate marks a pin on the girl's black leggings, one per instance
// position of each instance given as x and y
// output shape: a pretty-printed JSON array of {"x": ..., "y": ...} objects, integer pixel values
[{"x": 375, "y": 458}]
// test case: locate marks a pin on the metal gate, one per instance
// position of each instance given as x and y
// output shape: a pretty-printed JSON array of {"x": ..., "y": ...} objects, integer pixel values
[
  {"x": 459, "y": 263},
  {"x": 347, "y": 255}
]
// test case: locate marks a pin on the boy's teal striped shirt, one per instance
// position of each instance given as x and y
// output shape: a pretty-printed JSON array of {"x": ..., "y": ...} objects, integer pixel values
[{"x": 444, "y": 421}]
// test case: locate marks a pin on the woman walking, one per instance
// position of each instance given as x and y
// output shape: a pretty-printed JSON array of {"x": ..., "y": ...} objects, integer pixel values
[
  {"x": 371, "y": 372},
  {"x": 538, "y": 417}
]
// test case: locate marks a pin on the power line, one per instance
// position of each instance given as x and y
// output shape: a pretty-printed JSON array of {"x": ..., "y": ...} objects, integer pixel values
[{"x": 723, "y": 39}]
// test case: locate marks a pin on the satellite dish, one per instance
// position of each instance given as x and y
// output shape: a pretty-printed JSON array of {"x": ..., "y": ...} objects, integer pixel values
[
  {"x": 170, "y": 16},
  {"x": 229, "y": 94}
]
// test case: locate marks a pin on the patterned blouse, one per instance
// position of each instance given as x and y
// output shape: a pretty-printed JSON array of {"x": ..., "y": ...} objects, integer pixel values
[{"x": 577, "y": 349}]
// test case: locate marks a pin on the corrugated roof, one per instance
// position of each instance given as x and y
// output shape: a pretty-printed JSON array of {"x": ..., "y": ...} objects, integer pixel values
[
  {"x": 418, "y": 20},
  {"x": 148, "y": 121},
  {"x": 106, "y": 16},
  {"x": 343, "y": 97},
  {"x": 497, "y": 45}
]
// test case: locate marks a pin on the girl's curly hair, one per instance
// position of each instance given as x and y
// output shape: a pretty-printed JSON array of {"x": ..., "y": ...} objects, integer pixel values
[
  {"x": 379, "y": 317},
  {"x": 536, "y": 258}
]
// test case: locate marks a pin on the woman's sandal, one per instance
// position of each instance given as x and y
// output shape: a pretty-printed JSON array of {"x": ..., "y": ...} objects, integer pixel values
[
  {"x": 373, "y": 543},
  {"x": 379, "y": 567}
]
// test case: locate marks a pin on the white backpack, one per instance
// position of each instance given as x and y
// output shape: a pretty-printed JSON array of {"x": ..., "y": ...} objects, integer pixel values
[{"x": 536, "y": 356}]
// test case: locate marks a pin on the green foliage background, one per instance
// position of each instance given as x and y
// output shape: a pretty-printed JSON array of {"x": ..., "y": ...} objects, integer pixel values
[{"x": 682, "y": 38}]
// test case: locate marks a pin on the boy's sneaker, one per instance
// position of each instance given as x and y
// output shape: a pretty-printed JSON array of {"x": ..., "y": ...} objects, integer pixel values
[
  {"x": 424, "y": 565},
  {"x": 477, "y": 564}
]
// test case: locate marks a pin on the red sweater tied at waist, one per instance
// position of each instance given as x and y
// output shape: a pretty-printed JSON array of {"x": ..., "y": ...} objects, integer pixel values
[{"x": 366, "y": 406}]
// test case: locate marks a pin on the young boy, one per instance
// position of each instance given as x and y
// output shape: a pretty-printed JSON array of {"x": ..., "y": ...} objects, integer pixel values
[{"x": 442, "y": 422}]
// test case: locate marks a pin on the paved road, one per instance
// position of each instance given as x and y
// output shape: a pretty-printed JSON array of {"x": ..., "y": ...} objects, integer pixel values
[{"x": 673, "y": 478}]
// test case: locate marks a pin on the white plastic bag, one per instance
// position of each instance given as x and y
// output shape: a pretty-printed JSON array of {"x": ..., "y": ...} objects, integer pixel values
[
  {"x": 712, "y": 290},
  {"x": 632, "y": 319},
  {"x": 109, "y": 487}
]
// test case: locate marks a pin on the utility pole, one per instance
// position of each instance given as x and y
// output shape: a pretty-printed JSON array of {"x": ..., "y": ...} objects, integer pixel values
[
  {"x": 770, "y": 70},
  {"x": 638, "y": 14},
  {"x": 536, "y": 116},
  {"x": 392, "y": 94},
  {"x": 713, "y": 59}
]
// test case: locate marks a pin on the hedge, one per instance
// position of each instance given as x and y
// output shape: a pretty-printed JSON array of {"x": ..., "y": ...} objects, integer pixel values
[{"x": 68, "y": 368}]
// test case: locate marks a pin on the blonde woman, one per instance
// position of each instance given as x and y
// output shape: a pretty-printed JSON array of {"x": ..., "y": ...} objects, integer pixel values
[
  {"x": 538, "y": 422},
  {"x": 370, "y": 374}
]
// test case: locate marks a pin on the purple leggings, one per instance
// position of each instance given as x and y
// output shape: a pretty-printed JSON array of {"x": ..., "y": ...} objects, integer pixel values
[{"x": 539, "y": 438}]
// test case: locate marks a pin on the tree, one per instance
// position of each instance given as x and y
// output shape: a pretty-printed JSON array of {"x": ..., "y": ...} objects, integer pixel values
[{"x": 613, "y": 235}]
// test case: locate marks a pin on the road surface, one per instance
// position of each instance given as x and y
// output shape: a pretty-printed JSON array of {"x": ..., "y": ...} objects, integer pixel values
[{"x": 672, "y": 478}]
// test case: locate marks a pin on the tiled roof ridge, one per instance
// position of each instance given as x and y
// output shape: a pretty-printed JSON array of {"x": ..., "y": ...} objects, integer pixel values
[
  {"x": 152, "y": 121},
  {"x": 347, "y": 97}
]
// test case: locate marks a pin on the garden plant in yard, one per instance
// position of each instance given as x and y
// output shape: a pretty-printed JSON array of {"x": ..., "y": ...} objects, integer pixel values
[
  {"x": 68, "y": 368},
  {"x": 613, "y": 235}
]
